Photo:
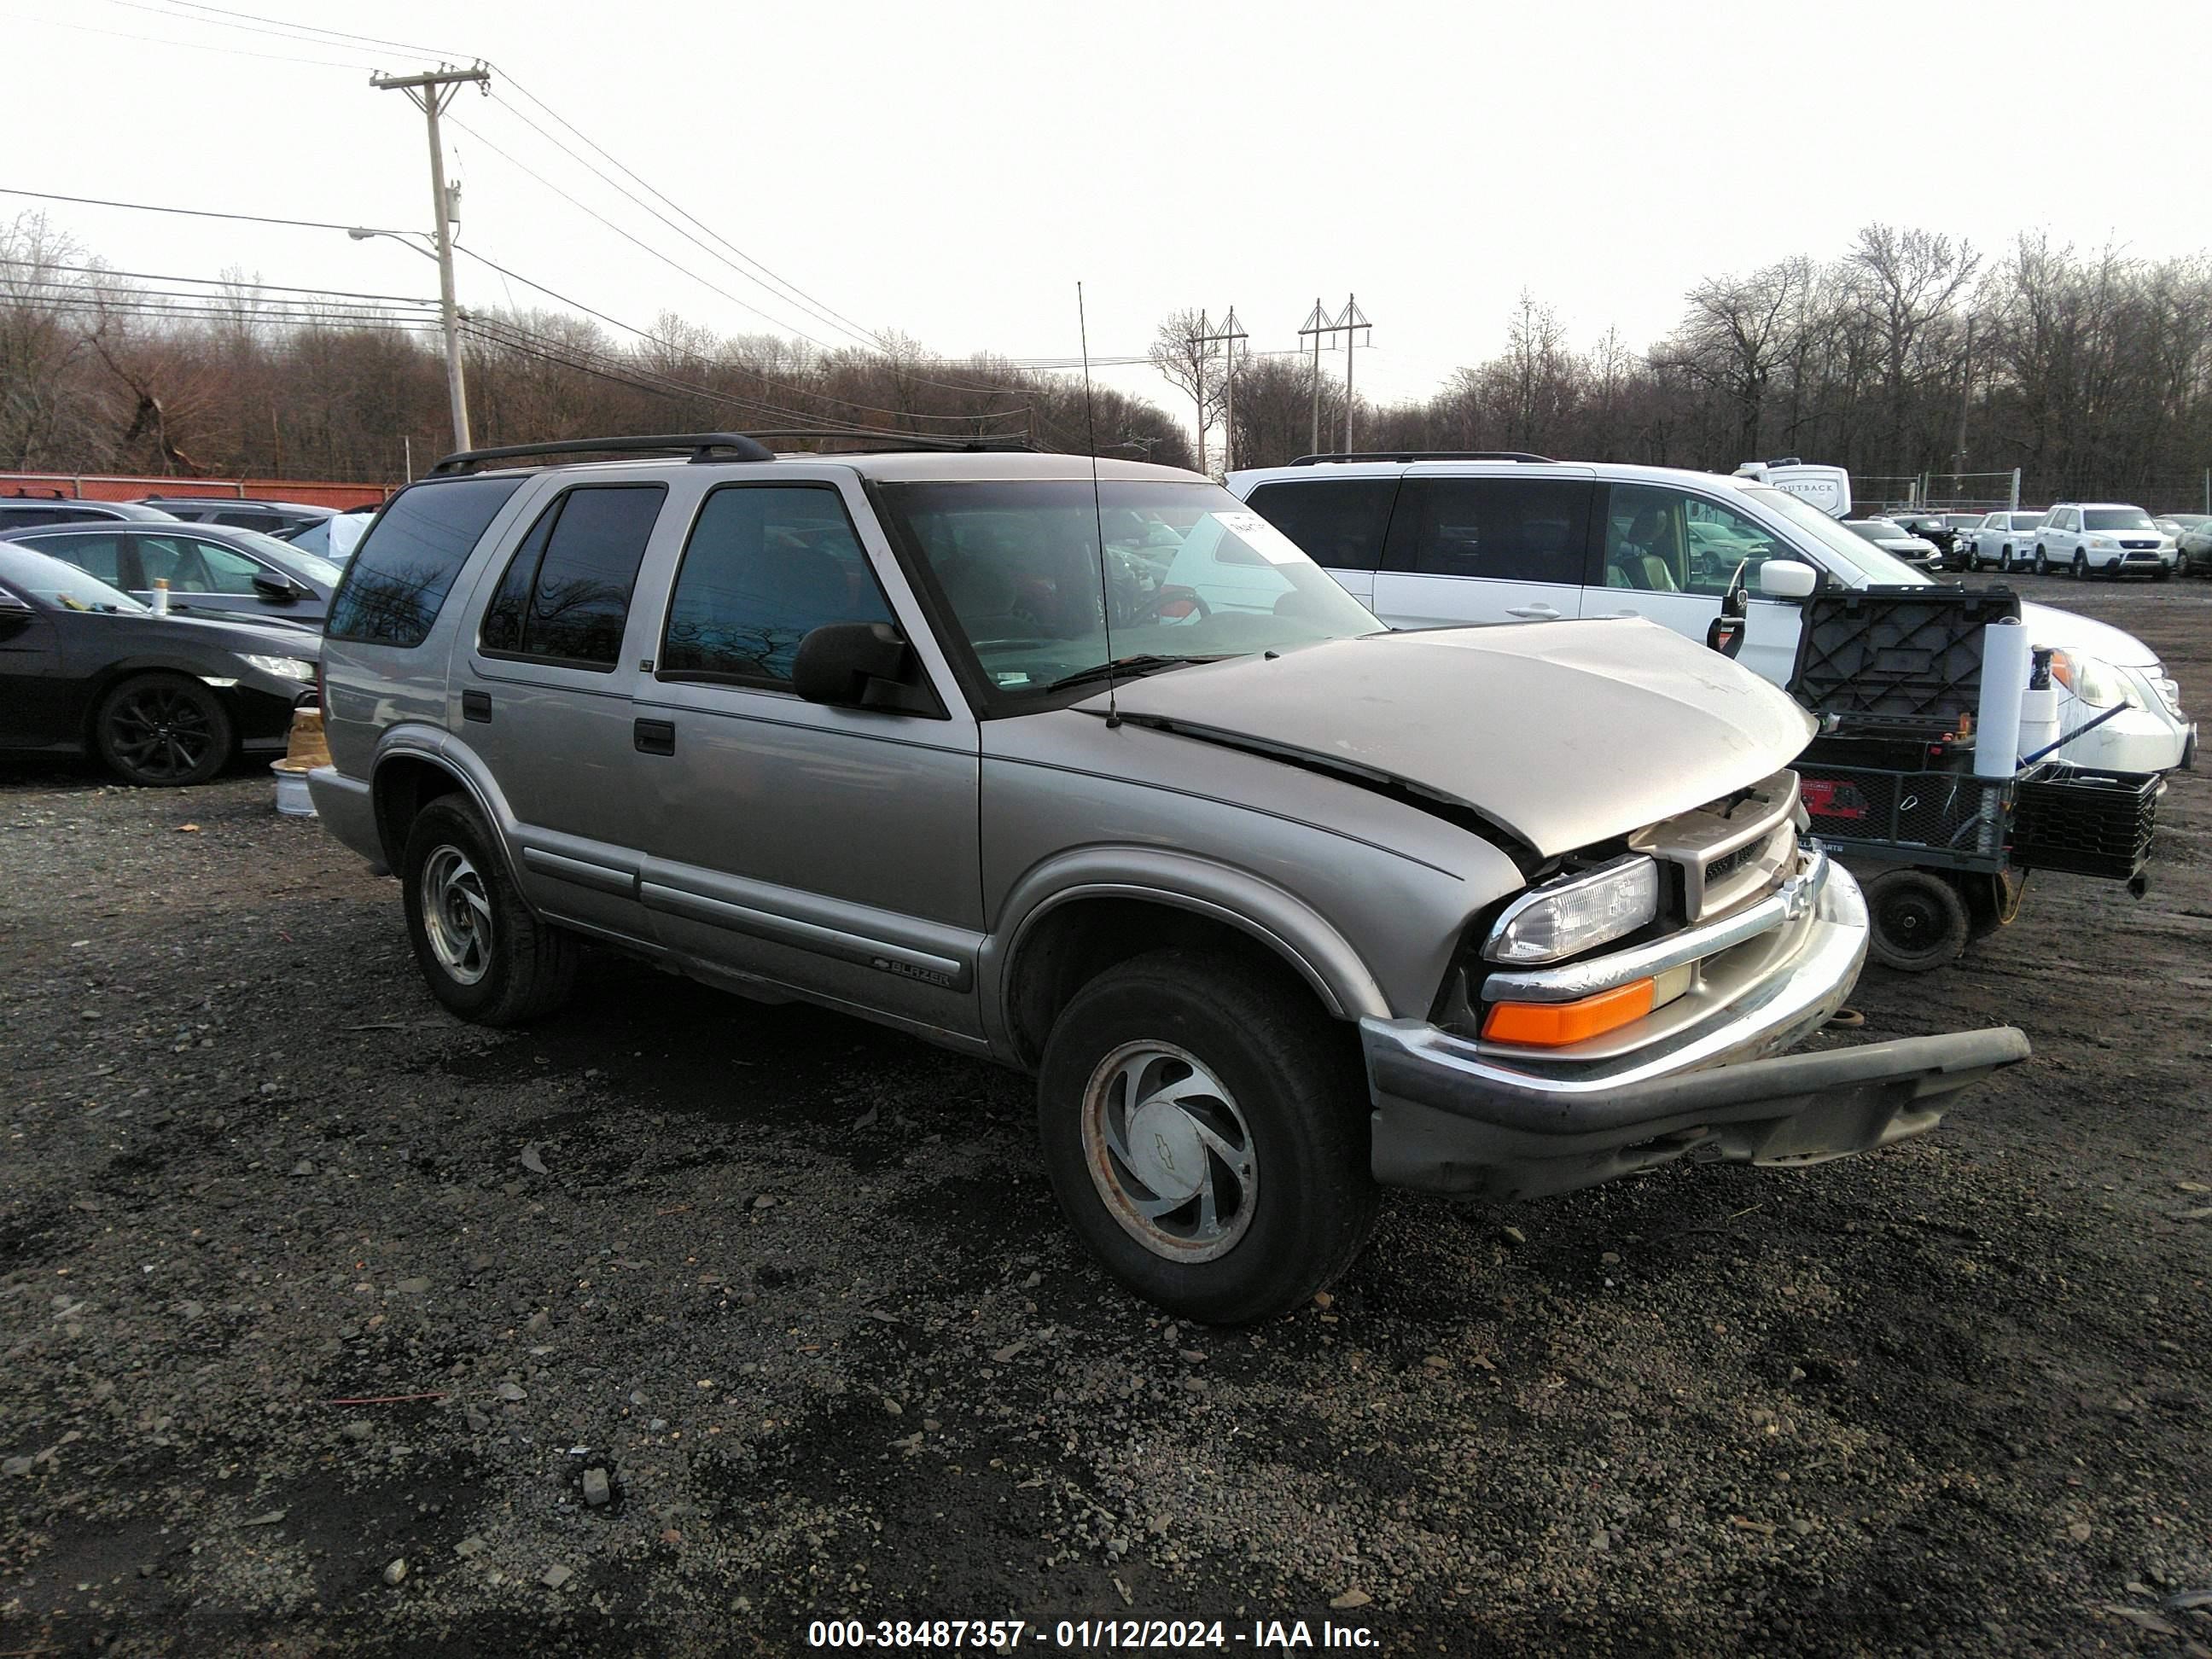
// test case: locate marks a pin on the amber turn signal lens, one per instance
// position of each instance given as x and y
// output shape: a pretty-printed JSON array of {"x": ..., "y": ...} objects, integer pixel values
[{"x": 1555, "y": 1024}]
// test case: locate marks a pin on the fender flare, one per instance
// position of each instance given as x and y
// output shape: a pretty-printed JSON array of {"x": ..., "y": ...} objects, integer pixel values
[
  {"x": 1304, "y": 939},
  {"x": 417, "y": 741}
]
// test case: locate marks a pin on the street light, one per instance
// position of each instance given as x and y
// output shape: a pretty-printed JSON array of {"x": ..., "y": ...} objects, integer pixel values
[{"x": 450, "y": 314}]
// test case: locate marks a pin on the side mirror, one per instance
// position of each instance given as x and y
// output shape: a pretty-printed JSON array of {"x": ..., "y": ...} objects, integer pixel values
[
  {"x": 1786, "y": 579},
  {"x": 271, "y": 586},
  {"x": 860, "y": 665}
]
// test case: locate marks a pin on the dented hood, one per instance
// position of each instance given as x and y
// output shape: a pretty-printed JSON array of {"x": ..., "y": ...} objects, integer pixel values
[{"x": 1561, "y": 733}]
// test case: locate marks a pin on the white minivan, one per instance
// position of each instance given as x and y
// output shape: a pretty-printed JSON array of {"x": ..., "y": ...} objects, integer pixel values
[{"x": 1438, "y": 542}]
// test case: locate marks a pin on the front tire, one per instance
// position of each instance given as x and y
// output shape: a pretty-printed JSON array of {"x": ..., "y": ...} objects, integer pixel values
[
  {"x": 482, "y": 952},
  {"x": 164, "y": 731},
  {"x": 2042, "y": 562},
  {"x": 1974, "y": 560},
  {"x": 1205, "y": 1129},
  {"x": 1918, "y": 921}
]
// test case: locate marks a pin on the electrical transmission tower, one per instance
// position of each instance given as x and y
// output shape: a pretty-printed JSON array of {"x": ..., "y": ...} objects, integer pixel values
[
  {"x": 430, "y": 93},
  {"x": 1318, "y": 324},
  {"x": 1226, "y": 334}
]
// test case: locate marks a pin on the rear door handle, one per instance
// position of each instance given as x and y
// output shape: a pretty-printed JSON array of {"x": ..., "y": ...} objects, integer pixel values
[
  {"x": 654, "y": 737},
  {"x": 1533, "y": 612}
]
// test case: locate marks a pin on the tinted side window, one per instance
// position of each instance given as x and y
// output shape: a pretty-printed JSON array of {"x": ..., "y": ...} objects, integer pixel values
[
  {"x": 96, "y": 556},
  {"x": 1529, "y": 530},
  {"x": 766, "y": 564},
  {"x": 399, "y": 575},
  {"x": 576, "y": 568},
  {"x": 1339, "y": 523}
]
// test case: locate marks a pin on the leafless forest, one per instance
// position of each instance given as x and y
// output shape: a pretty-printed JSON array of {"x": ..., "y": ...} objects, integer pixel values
[{"x": 1908, "y": 353}]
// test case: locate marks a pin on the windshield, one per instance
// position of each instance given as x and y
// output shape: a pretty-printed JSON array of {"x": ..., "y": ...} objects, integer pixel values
[
  {"x": 292, "y": 560},
  {"x": 1852, "y": 561},
  {"x": 2116, "y": 517},
  {"x": 49, "y": 581},
  {"x": 1189, "y": 574}
]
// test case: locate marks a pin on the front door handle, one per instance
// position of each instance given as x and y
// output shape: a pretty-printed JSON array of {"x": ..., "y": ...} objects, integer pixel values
[
  {"x": 1533, "y": 612},
  {"x": 654, "y": 737}
]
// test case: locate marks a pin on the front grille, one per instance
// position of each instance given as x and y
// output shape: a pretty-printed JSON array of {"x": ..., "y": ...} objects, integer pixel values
[{"x": 1728, "y": 851}]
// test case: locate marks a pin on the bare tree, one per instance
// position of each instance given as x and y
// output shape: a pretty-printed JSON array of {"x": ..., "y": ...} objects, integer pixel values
[{"x": 1192, "y": 364}]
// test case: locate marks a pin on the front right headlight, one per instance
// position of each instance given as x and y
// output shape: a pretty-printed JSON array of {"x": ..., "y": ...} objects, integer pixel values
[
  {"x": 2093, "y": 680},
  {"x": 283, "y": 668},
  {"x": 1570, "y": 914}
]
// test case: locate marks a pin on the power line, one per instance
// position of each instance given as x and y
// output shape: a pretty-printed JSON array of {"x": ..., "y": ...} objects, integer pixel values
[
  {"x": 274, "y": 24},
  {"x": 193, "y": 213},
  {"x": 189, "y": 45},
  {"x": 215, "y": 281},
  {"x": 816, "y": 312}
]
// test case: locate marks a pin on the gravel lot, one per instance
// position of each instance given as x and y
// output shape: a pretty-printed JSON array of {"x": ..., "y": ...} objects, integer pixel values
[{"x": 299, "y": 1278}]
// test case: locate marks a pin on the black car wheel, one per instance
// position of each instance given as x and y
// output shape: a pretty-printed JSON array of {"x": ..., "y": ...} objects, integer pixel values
[
  {"x": 2042, "y": 562},
  {"x": 481, "y": 950},
  {"x": 1205, "y": 1129},
  {"x": 1919, "y": 921},
  {"x": 164, "y": 730},
  {"x": 2080, "y": 566}
]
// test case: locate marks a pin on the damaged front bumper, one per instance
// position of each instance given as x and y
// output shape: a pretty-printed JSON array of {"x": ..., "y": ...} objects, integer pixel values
[{"x": 1453, "y": 1115}]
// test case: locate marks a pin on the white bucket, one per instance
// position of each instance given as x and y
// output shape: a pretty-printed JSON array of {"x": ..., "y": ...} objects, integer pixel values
[{"x": 293, "y": 799}]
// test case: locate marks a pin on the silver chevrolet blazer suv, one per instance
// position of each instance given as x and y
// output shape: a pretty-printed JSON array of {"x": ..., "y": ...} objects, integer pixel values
[{"x": 1279, "y": 906}]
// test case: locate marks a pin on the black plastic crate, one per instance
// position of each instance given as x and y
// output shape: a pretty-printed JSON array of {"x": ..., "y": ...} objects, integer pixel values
[
  {"x": 1902, "y": 658},
  {"x": 2085, "y": 822},
  {"x": 1932, "y": 817}
]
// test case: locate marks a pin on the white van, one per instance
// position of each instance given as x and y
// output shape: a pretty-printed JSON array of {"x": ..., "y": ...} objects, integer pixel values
[{"x": 1445, "y": 541}]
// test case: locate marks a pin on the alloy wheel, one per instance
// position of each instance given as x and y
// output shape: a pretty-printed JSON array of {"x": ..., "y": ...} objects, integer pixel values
[
  {"x": 457, "y": 915},
  {"x": 160, "y": 733},
  {"x": 1169, "y": 1152}
]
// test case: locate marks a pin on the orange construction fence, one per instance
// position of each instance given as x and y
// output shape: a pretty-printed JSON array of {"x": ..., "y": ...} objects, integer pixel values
[{"x": 97, "y": 487}]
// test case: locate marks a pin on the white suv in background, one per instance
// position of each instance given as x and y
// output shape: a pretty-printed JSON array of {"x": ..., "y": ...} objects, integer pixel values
[
  {"x": 2002, "y": 539},
  {"x": 1428, "y": 541},
  {"x": 2108, "y": 538}
]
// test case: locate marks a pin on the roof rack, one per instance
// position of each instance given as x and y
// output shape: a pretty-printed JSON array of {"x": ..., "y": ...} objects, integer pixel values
[
  {"x": 1426, "y": 455},
  {"x": 878, "y": 441},
  {"x": 23, "y": 494},
  {"x": 721, "y": 445},
  {"x": 703, "y": 446}
]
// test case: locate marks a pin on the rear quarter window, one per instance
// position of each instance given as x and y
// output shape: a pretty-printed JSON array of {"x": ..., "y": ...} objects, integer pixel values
[
  {"x": 398, "y": 577},
  {"x": 1338, "y": 523}
]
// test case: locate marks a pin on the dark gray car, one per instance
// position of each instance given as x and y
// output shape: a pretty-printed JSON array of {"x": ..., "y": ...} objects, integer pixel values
[
  {"x": 212, "y": 570},
  {"x": 24, "y": 509}
]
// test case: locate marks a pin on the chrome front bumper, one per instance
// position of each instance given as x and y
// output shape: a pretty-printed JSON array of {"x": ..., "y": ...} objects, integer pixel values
[{"x": 1457, "y": 1116}]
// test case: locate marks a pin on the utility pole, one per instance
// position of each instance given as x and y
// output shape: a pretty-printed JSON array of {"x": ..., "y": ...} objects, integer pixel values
[
  {"x": 1228, "y": 334},
  {"x": 431, "y": 92},
  {"x": 1317, "y": 324},
  {"x": 1348, "y": 319},
  {"x": 1966, "y": 395}
]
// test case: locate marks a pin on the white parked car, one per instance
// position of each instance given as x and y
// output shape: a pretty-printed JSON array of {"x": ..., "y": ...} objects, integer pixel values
[
  {"x": 1894, "y": 539},
  {"x": 2104, "y": 538},
  {"x": 1428, "y": 543},
  {"x": 2004, "y": 540}
]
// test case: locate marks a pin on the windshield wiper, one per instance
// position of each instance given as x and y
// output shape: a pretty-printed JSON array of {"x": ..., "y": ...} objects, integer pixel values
[{"x": 1134, "y": 667}]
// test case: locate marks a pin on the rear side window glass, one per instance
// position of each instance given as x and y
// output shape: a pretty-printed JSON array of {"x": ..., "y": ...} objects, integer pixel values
[
  {"x": 1338, "y": 523},
  {"x": 399, "y": 575},
  {"x": 96, "y": 556},
  {"x": 766, "y": 565},
  {"x": 566, "y": 594},
  {"x": 1526, "y": 530}
]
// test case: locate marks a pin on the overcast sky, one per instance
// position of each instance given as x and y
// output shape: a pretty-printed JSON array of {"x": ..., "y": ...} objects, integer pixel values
[{"x": 950, "y": 170}]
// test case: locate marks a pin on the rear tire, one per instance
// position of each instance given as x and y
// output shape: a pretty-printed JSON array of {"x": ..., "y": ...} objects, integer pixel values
[
  {"x": 481, "y": 950},
  {"x": 1918, "y": 921},
  {"x": 164, "y": 731},
  {"x": 2080, "y": 566},
  {"x": 1206, "y": 1130}
]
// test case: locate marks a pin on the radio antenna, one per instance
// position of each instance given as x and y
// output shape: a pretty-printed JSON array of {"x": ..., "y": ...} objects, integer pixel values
[{"x": 1098, "y": 512}]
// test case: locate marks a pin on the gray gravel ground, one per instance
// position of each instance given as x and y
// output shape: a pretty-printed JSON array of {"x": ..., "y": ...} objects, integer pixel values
[{"x": 300, "y": 1280}]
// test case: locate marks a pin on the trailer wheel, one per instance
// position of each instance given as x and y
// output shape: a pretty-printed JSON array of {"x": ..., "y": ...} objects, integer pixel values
[
  {"x": 1992, "y": 900},
  {"x": 1919, "y": 921}
]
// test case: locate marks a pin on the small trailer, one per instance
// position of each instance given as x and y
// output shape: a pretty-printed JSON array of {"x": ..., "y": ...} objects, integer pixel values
[{"x": 1918, "y": 779}]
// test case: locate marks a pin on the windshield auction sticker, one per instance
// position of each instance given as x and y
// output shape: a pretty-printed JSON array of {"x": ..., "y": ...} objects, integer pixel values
[{"x": 1262, "y": 537}]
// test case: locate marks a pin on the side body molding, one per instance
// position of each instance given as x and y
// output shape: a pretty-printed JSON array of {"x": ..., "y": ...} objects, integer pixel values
[{"x": 1286, "y": 924}]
